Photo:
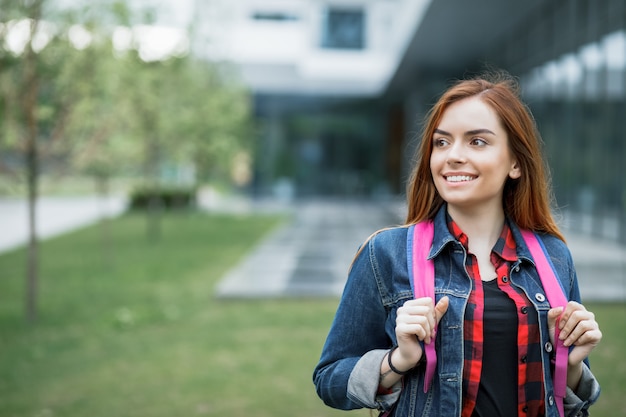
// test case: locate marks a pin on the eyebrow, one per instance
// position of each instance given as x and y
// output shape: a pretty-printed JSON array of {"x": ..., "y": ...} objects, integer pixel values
[{"x": 468, "y": 133}]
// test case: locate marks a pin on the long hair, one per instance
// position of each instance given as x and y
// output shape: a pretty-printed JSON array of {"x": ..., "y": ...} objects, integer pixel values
[{"x": 526, "y": 200}]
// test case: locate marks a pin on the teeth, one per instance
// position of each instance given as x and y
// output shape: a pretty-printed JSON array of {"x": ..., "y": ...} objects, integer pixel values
[{"x": 459, "y": 178}]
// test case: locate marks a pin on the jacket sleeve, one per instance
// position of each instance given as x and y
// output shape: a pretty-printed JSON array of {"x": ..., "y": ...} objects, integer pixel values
[
  {"x": 358, "y": 328},
  {"x": 576, "y": 404}
]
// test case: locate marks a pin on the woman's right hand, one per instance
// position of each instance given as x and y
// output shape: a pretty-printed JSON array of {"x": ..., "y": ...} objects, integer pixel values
[{"x": 416, "y": 321}]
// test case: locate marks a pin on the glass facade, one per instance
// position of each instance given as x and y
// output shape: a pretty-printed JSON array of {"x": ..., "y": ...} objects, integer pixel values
[
  {"x": 325, "y": 152},
  {"x": 578, "y": 99}
]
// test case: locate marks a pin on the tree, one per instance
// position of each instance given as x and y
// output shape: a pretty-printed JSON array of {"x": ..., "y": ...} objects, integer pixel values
[
  {"x": 185, "y": 111},
  {"x": 40, "y": 97},
  {"x": 212, "y": 121},
  {"x": 66, "y": 98},
  {"x": 22, "y": 82}
]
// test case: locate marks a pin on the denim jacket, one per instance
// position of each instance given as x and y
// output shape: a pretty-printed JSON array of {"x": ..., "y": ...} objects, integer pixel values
[{"x": 347, "y": 375}]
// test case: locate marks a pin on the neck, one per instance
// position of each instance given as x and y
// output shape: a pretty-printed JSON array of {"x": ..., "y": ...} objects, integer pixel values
[{"x": 482, "y": 226}]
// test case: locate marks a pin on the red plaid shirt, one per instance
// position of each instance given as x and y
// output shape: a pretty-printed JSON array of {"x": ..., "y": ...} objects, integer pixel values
[{"x": 530, "y": 393}]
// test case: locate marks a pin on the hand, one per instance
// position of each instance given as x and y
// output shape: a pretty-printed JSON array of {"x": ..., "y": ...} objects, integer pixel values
[
  {"x": 578, "y": 327},
  {"x": 416, "y": 321}
]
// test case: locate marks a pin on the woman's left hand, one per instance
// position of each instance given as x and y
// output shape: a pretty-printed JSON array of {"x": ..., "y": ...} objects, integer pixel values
[{"x": 578, "y": 327}]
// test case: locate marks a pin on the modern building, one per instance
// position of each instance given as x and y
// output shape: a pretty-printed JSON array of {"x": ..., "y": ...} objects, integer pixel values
[{"x": 341, "y": 86}]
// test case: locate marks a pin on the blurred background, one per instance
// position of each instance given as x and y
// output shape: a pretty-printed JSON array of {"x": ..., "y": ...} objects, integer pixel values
[
  {"x": 290, "y": 99},
  {"x": 298, "y": 116}
]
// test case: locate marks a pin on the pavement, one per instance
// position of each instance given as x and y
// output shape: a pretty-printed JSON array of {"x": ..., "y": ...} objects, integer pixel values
[
  {"x": 308, "y": 255},
  {"x": 54, "y": 216}
]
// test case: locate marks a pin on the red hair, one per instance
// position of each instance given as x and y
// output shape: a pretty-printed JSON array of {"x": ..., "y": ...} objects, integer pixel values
[{"x": 526, "y": 200}]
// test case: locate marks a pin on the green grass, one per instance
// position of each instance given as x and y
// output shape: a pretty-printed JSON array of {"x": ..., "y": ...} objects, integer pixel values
[
  {"x": 132, "y": 329},
  {"x": 607, "y": 360}
]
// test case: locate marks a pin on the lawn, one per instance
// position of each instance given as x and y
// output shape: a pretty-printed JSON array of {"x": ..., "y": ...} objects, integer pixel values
[{"x": 129, "y": 327}]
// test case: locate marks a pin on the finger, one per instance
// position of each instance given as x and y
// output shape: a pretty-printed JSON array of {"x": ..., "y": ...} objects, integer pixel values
[
  {"x": 553, "y": 315},
  {"x": 417, "y": 315},
  {"x": 441, "y": 308},
  {"x": 574, "y": 319},
  {"x": 423, "y": 301},
  {"x": 582, "y": 349},
  {"x": 438, "y": 312},
  {"x": 408, "y": 331},
  {"x": 420, "y": 307},
  {"x": 585, "y": 332},
  {"x": 426, "y": 322},
  {"x": 570, "y": 308},
  {"x": 415, "y": 321}
]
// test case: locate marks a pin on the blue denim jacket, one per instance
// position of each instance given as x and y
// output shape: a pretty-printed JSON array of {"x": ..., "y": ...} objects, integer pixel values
[{"x": 348, "y": 372}]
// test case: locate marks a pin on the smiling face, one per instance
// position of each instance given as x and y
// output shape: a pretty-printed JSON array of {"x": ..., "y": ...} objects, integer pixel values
[{"x": 471, "y": 160}]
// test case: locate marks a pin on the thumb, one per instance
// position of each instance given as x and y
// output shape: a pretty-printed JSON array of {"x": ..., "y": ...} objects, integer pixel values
[
  {"x": 553, "y": 315},
  {"x": 441, "y": 308}
]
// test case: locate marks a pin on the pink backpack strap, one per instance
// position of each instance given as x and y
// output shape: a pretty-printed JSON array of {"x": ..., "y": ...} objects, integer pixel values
[
  {"x": 556, "y": 298},
  {"x": 422, "y": 274},
  {"x": 422, "y": 271}
]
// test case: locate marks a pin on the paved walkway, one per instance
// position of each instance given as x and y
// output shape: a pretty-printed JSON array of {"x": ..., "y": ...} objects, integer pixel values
[
  {"x": 55, "y": 215},
  {"x": 310, "y": 256}
]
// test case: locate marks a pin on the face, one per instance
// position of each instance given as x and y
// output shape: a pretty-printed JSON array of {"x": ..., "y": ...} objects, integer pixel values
[{"x": 471, "y": 159}]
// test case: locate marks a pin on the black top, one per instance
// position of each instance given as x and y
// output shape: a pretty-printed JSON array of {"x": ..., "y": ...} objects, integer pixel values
[{"x": 497, "y": 393}]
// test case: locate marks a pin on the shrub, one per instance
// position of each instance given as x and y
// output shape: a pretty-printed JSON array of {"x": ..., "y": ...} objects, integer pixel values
[{"x": 167, "y": 198}]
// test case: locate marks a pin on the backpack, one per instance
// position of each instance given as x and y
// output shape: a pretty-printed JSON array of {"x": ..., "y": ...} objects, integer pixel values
[{"x": 422, "y": 271}]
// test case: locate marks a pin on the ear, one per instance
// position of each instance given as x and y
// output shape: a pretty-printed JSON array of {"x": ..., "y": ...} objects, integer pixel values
[{"x": 515, "y": 172}]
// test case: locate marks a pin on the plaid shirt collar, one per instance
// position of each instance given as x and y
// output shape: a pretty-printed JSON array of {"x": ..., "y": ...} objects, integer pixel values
[{"x": 505, "y": 246}]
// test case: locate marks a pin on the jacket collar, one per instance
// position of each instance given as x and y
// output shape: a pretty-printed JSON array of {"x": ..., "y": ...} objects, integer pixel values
[{"x": 442, "y": 237}]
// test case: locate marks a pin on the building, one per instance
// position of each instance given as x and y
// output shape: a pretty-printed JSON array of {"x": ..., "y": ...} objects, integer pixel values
[{"x": 341, "y": 86}]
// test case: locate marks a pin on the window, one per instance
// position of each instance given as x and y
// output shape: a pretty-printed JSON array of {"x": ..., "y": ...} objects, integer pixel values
[
  {"x": 275, "y": 16},
  {"x": 344, "y": 29}
]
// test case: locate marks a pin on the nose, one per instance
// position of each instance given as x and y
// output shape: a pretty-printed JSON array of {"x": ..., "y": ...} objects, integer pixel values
[{"x": 456, "y": 153}]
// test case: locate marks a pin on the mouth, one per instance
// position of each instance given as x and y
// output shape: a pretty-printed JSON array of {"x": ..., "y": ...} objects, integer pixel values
[{"x": 459, "y": 178}]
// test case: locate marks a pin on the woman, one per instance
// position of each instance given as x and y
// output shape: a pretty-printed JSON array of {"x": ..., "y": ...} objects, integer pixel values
[{"x": 480, "y": 177}]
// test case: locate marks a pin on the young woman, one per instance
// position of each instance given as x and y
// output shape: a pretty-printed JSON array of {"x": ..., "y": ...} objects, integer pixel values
[{"x": 479, "y": 177}]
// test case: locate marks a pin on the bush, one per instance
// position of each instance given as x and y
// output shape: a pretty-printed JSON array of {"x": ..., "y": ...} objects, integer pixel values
[{"x": 166, "y": 198}]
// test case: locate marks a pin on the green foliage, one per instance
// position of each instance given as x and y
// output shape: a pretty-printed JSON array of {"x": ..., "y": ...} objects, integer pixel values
[{"x": 102, "y": 110}]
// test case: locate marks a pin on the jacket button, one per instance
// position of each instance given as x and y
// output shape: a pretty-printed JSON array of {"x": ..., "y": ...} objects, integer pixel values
[
  {"x": 524, "y": 310},
  {"x": 548, "y": 347},
  {"x": 505, "y": 279},
  {"x": 540, "y": 297},
  {"x": 516, "y": 269},
  {"x": 551, "y": 400}
]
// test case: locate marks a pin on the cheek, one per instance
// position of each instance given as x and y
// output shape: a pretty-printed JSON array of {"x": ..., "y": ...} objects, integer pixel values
[
  {"x": 435, "y": 169},
  {"x": 435, "y": 164}
]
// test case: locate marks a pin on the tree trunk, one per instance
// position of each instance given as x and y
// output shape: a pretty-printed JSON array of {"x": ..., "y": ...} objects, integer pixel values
[
  {"x": 155, "y": 202},
  {"x": 32, "y": 265},
  {"x": 29, "y": 107},
  {"x": 102, "y": 191}
]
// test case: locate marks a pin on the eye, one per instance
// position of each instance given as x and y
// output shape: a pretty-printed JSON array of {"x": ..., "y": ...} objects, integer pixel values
[
  {"x": 478, "y": 142},
  {"x": 439, "y": 142}
]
